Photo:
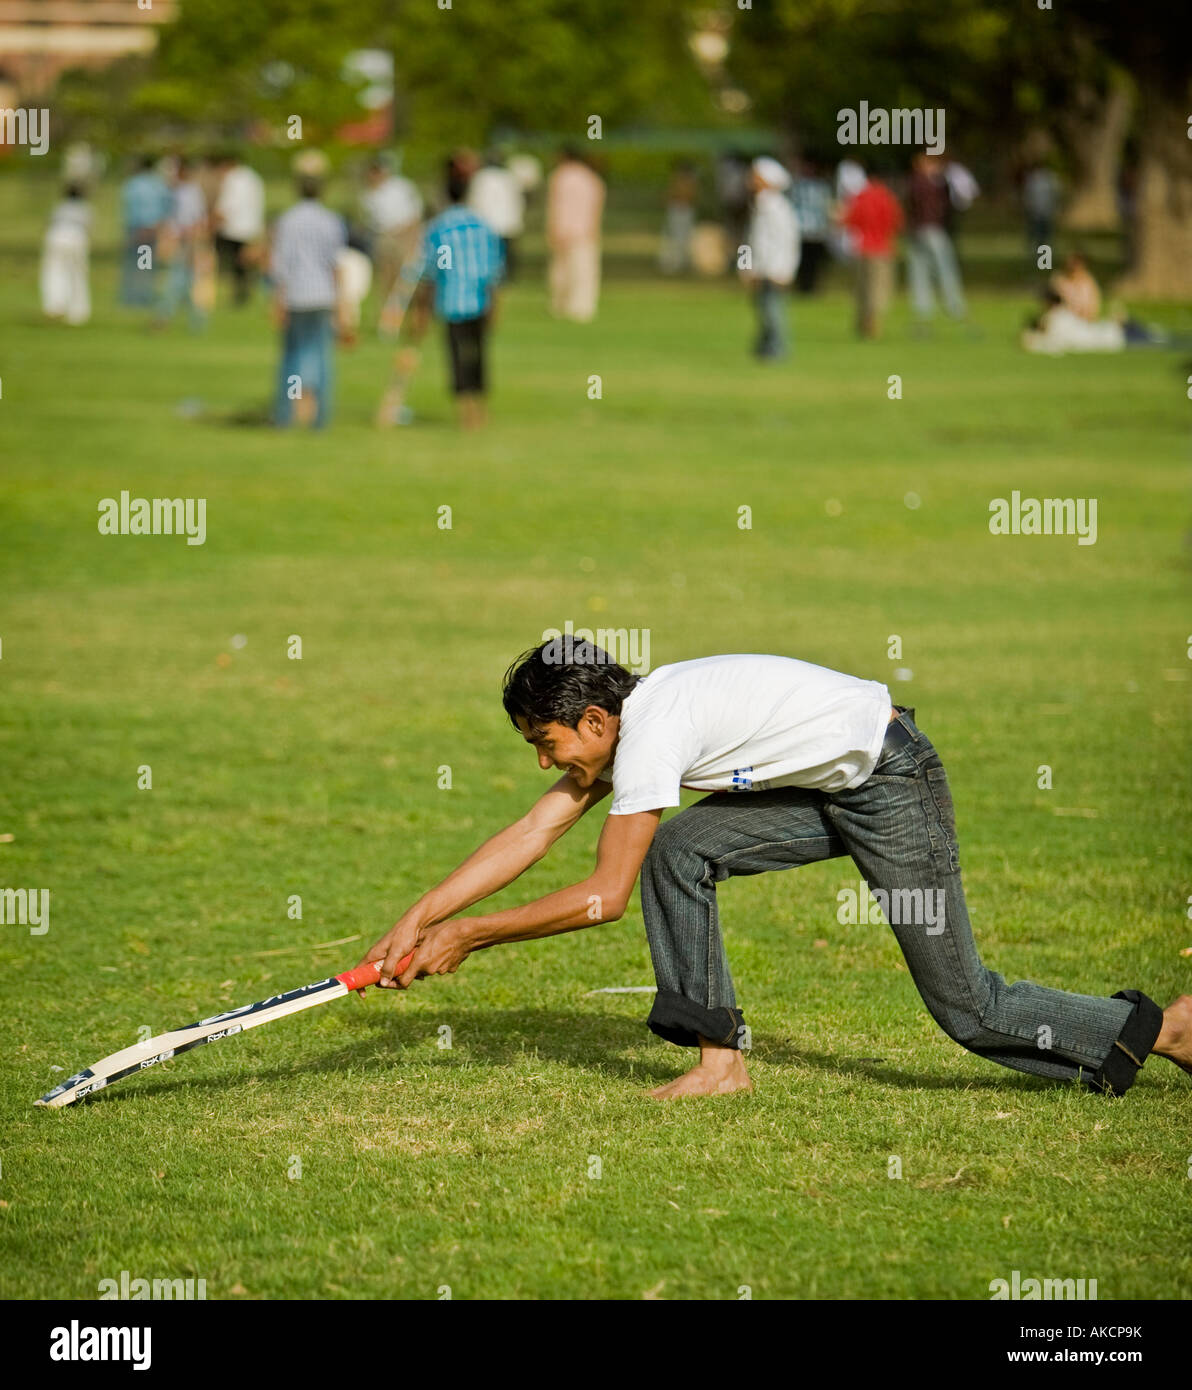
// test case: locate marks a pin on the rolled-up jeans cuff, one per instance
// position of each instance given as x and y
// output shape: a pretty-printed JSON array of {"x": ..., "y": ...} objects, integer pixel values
[
  {"x": 682, "y": 1021},
  {"x": 1132, "y": 1047}
]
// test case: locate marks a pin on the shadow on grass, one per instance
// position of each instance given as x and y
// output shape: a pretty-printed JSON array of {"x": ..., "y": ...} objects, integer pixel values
[{"x": 592, "y": 1043}]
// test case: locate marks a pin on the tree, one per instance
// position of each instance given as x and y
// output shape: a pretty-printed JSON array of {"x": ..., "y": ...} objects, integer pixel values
[
  {"x": 1153, "y": 49},
  {"x": 460, "y": 71},
  {"x": 802, "y": 61}
]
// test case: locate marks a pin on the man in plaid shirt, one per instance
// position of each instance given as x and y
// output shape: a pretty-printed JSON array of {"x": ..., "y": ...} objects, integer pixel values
[
  {"x": 308, "y": 303},
  {"x": 463, "y": 262}
]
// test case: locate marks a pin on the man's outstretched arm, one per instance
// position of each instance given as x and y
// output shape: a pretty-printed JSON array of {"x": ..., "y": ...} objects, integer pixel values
[
  {"x": 601, "y": 897},
  {"x": 492, "y": 867}
]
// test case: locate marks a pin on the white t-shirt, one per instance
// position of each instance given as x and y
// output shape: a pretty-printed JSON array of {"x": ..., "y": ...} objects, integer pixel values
[
  {"x": 392, "y": 204},
  {"x": 190, "y": 208},
  {"x": 744, "y": 723},
  {"x": 73, "y": 216},
  {"x": 496, "y": 195},
  {"x": 774, "y": 237},
  {"x": 241, "y": 204}
]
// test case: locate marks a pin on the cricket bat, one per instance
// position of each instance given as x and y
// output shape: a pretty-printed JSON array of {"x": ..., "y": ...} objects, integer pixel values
[
  {"x": 166, "y": 1045},
  {"x": 406, "y": 360},
  {"x": 405, "y": 364}
]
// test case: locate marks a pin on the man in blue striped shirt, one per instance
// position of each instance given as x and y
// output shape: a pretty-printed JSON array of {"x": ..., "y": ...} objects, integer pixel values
[{"x": 463, "y": 262}]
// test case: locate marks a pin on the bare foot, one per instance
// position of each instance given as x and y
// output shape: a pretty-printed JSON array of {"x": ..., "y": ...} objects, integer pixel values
[
  {"x": 1175, "y": 1037},
  {"x": 719, "y": 1071}
]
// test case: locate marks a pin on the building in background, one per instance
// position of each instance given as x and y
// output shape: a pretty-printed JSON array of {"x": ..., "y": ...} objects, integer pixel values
[{"x": 41, "y": 39}]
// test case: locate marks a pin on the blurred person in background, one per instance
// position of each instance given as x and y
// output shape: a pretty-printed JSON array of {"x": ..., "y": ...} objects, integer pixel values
[
  {"x": 732, "y": 190},
  {"x": 65, "y": 272},
  {"x": 354, "y": 276},
  {"x": 145, "y": 202},
  {"x": 307, "y": 242},
  {"x": 873, "y": 218},
  {"x": 1077, "y": 288},
  {"x": 931, "y": 259},
  {"x": 1058, "y": 330},
  {"x": 238, "y": 221},
  {"x": 574, "y": 208},
  {"x": 496, "y": 196},
  {"x": 81, "y": 165},
  {"x": 209, "y": 175},
  {"x": 393, "y": 213},
  {"x": 850, "y": 180},
  {"x": 527, "y": 170},
  {"x": 811, "y": 194},
  {"x": 773, "y": 241},
  {"x": 682, "y": 194},
  {"x": 183, "y": 233},
  {"x": 1040, "y": 203},
  {"x": 963, "y": 192},
  {"x": 463, "y": 262}
]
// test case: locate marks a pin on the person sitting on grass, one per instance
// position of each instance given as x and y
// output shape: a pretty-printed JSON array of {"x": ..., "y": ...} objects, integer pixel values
[
  {"x": 1058, "y": 330},
  {"x": 1077, "y": 288},
  {"x": 803, "y": 764}
]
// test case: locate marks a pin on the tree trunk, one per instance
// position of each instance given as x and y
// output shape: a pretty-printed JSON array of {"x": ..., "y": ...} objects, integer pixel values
[
  {"x": 1096, "y": 138},
  {"x": 1162, "y": 264}
]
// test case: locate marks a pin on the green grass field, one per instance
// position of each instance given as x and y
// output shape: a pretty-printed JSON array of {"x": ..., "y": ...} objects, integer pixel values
[{"x": 474, "y": 1167}]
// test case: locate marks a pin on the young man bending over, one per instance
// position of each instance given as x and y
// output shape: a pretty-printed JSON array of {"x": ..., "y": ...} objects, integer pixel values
[{"x": 802, "y": 764}]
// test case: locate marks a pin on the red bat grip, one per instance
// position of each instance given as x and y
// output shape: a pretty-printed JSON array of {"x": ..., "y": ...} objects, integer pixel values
[{"x": 365, "y": 975}]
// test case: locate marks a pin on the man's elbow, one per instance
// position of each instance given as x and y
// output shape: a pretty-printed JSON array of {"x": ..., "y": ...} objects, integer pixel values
[{"x": 607, "y": 906}]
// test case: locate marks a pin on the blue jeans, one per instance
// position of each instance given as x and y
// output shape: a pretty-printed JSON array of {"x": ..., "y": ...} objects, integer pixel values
[
  {"x": 899, "y": 828},
  {"x": 138, "y": 287},
  {"x": 771, "y": 320},
  {"x": 179, "y": 287},
  {"x": 930, "y": 256},
  {"x": 307, "y": 364}
]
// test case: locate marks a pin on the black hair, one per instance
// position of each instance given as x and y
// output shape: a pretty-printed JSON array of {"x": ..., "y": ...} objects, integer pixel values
[
  {"x": 74, "y": 190},
  {"x": 309, "y": 186},
  {"x": 557, "y": 680},
  {"x": 457, "y": 182}
]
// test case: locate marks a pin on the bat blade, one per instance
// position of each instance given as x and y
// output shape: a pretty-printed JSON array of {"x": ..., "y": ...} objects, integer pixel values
[{"x": 161, "y": 1048}]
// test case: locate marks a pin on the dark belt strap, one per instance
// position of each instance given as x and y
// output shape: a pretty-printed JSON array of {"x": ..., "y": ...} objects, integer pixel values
[{"x": 897, "y": 732}]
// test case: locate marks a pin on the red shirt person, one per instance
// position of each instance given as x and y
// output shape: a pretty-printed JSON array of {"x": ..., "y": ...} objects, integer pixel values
[{"x": 874, "y": 217}]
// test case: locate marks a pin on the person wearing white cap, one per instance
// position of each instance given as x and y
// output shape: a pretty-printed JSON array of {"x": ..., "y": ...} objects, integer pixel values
[{"x": 773, "y": 254}]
